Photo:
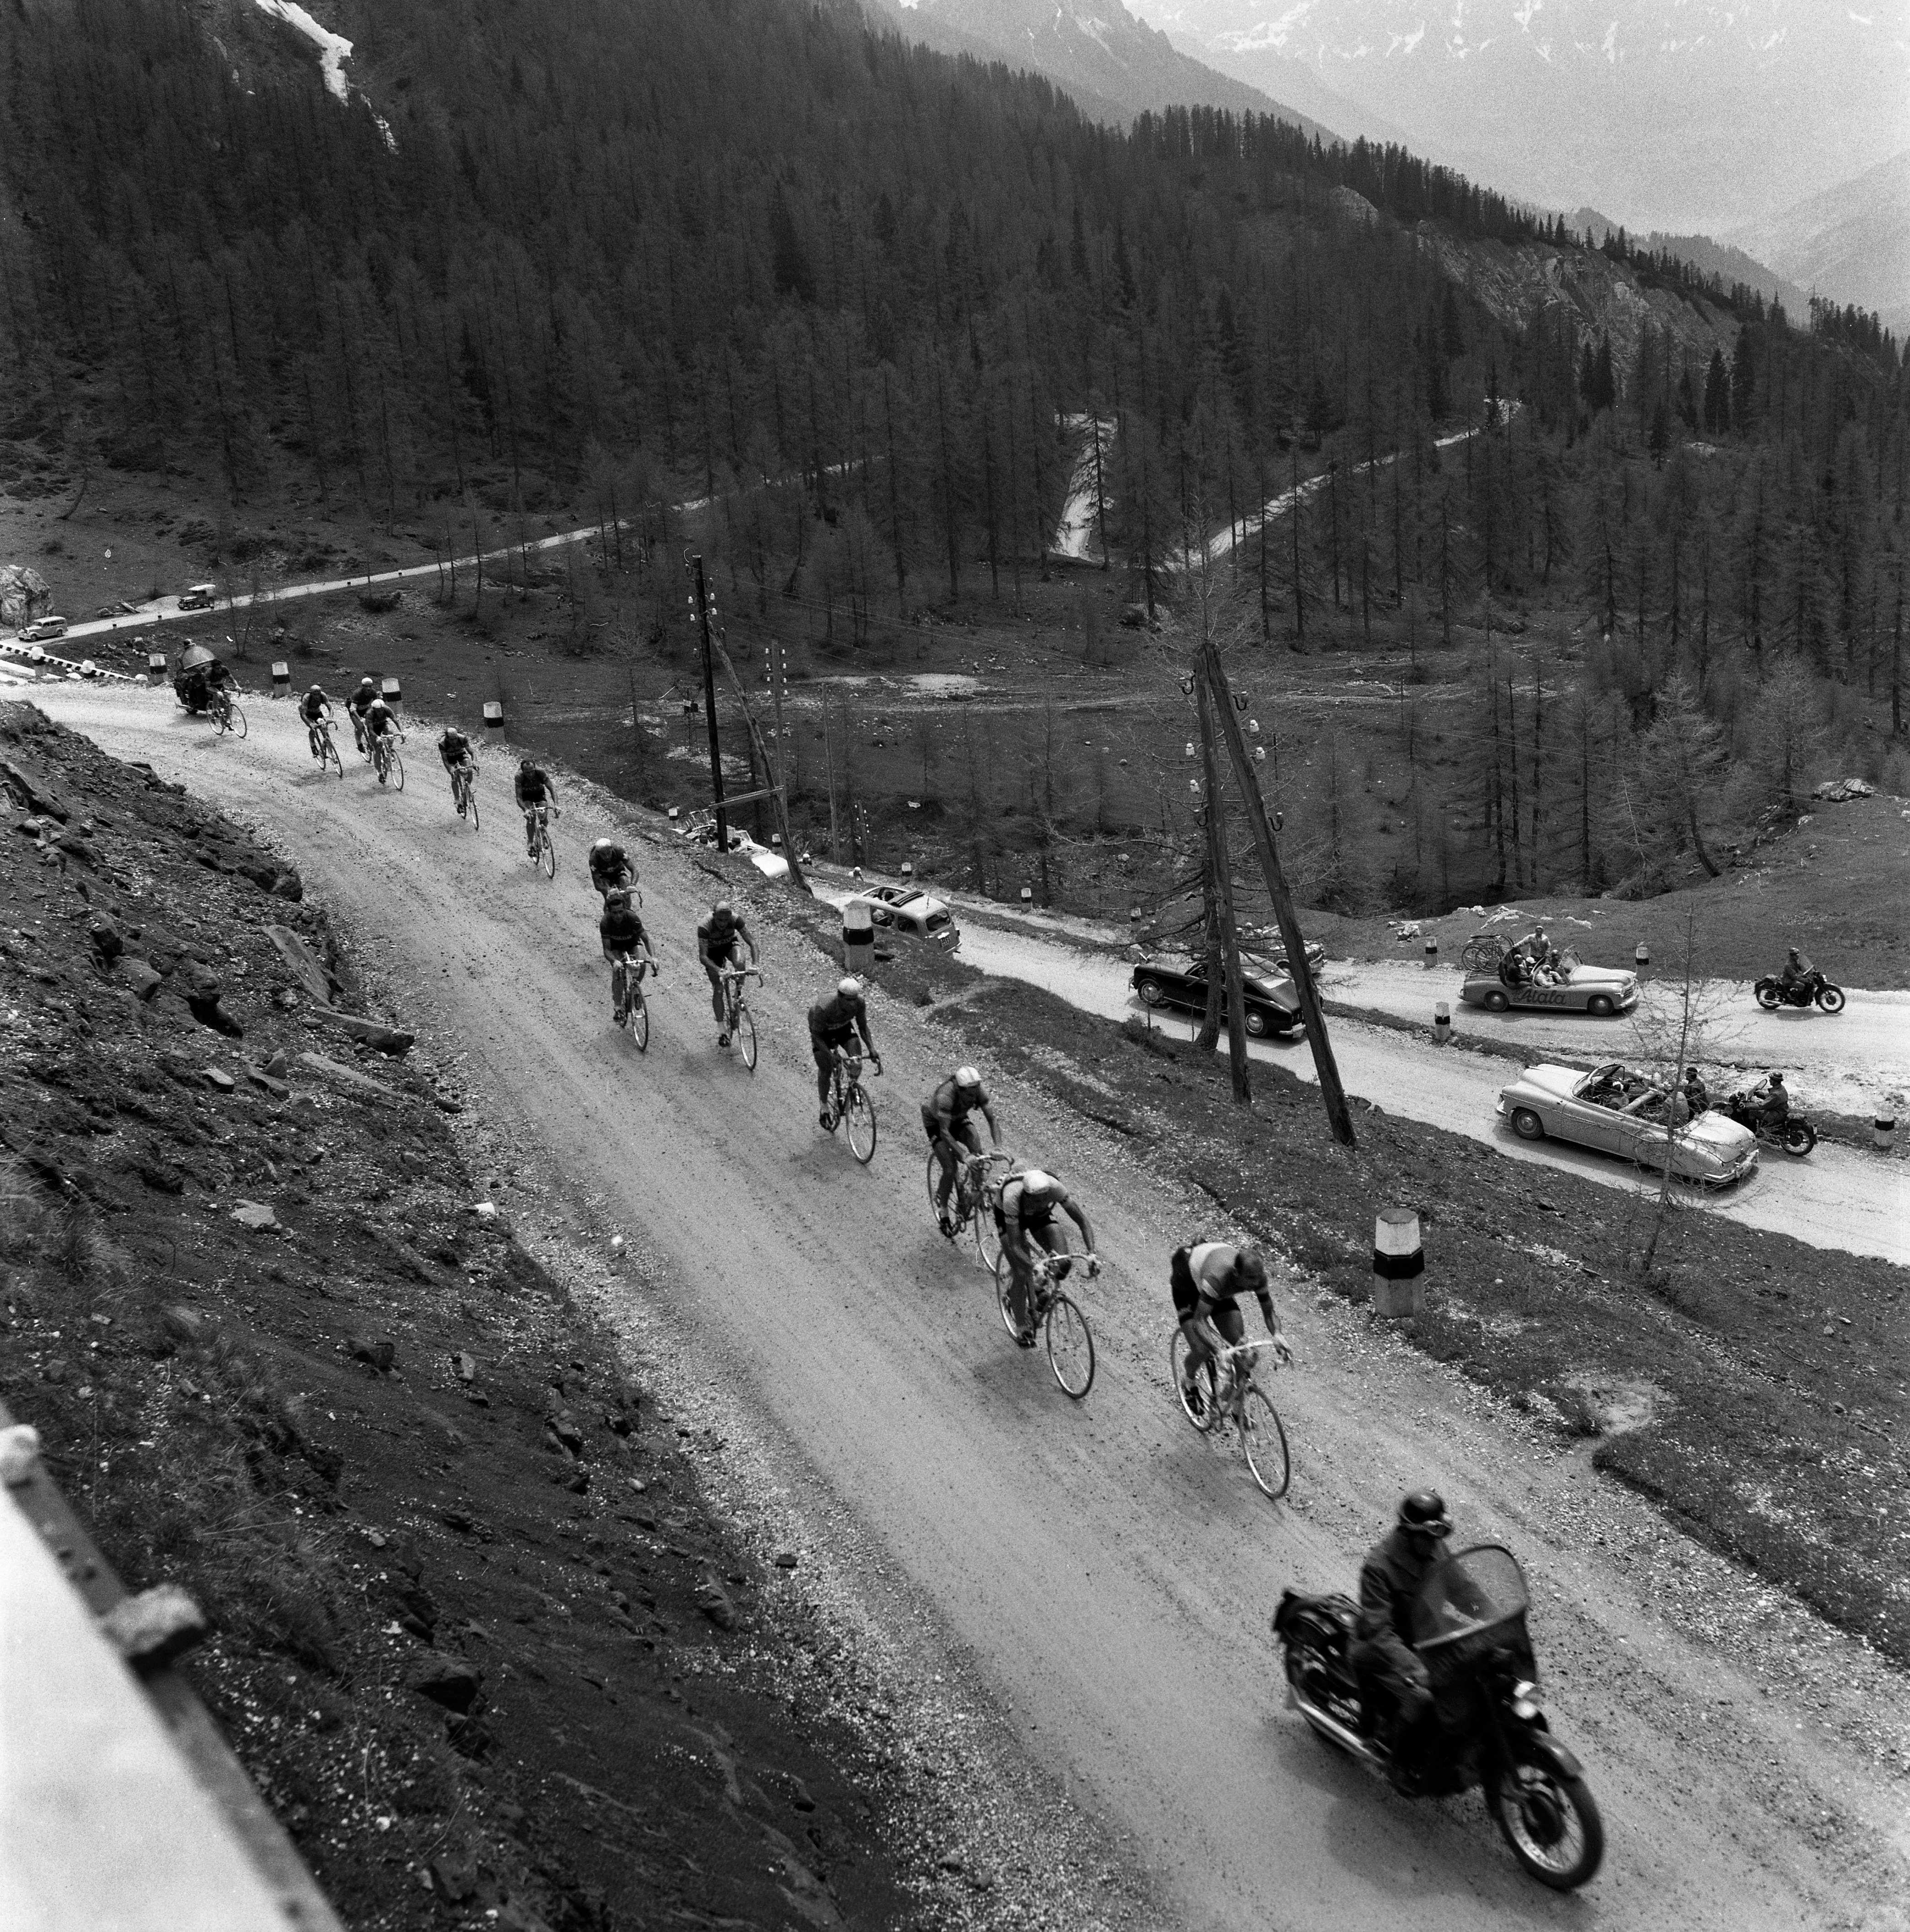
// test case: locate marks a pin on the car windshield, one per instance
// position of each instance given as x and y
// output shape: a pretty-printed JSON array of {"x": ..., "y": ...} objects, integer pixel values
[{"x": 937, "y": 918}]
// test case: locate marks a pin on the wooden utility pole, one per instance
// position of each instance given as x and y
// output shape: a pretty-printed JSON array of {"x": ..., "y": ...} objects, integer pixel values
[
  {"x": 702, "y": 613},
  {"x": 1230, "y": 936},
  {"x": 777, "y": 795},
  {"x": 1337, "y": 1115}
]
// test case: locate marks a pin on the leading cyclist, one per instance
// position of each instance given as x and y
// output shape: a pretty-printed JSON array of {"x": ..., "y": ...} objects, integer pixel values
[
  {"x": 315, "y": 709},
  {"x": 1205, "y": 1281},
  {"x": 718, "y": 938},
  {"x": 532, "y": 788},
  {"x": 945, "y": 1119},
  {"x": 380, "y": 723},
  {"x": 358, "y": 704},
  {"x": 621, "y": 932},
  {"x": 454, "y": 751},
  {"x": 834, "y": 1021},
  {"x": 1025, "y": 1210}
]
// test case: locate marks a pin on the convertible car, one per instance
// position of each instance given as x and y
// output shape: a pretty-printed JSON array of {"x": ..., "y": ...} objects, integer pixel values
[
  {"x": 1619, "y": 1110},
  {"x": 1272, "y": 1005},
  {"x": 1600, "y": 991}
]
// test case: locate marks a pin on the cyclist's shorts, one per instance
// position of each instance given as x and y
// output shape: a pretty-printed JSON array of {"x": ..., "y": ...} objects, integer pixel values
[
  {"x": 1187, "y": 1297},
  {"x": 963, "y": 1131},
  {"x": 722, "y": 956},
  {"x": 823, "y": 1045}
]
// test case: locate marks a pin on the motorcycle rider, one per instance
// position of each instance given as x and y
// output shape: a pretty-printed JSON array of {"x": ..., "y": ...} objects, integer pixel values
[
  {"x": 1798, "y": 972},
  {"x": 1771, "y": 1099},
  {"x": 1395, "y": 1694}
]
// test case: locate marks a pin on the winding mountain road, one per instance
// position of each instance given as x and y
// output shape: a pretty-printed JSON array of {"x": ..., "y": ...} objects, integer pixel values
[{"x": 1101, "y": 1573}]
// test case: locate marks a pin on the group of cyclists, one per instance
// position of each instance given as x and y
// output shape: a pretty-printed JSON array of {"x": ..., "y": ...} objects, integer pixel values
[{"x": 373, "y": 721}]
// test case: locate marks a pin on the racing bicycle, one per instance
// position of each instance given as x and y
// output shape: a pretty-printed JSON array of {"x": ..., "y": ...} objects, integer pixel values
[
  {"x": 1059, "y": 1321},
  {"x": 324, "y": 748},
  {"x": 850, "y": 1105},
  {"x": 737, "y": 1023},
  {"x": 226, "y": 716},
  {"x": 972, "y": 1199},
  {"x": 1230, "y": 1391},
  {"x": 384, "y": 759},
  {"x": 464, "y": 789},
  {"x": 633, "y": 1011},
  {"x": 543, "y": 846}
]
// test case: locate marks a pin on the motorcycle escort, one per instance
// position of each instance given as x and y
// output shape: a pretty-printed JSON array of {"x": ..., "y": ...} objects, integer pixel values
[
  {"x": 1487, "y": 1730},
  {"x": 1797, "y": 1136},
  {"x": 1770, "y": 993}
]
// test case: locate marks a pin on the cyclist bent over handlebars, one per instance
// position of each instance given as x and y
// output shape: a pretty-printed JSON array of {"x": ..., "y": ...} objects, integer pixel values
[
  {"x": 945, "y": 1119},
  {"x": 717, "y": 940},
  {"x": 1205, "y": 1280}
]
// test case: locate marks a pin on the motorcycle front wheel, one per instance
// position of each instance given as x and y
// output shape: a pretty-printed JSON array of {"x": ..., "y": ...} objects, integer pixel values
[
  {"x": 1551, "y": 1822},
  {"x": 1830, "y": 998}
]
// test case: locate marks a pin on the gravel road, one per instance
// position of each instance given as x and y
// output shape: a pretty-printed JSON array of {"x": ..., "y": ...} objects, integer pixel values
[
  {"x": 1101, "y": 1573},
  {"x": 1838, "y": 1198}
]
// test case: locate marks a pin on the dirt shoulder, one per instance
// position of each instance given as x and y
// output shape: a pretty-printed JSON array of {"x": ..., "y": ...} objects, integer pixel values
[
  {"x": 1754, "y": 1387},
  {"x": 482, "y": 1640}
]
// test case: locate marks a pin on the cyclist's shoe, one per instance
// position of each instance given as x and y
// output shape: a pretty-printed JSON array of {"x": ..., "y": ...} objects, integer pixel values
[
  {"x": 1025, "y": 1338},
  {"x": 722, "y": 1039},
  {"x": 826, "y": 1120},
  {"x": 946, "y": 1224},
  {"x": 1191, "y": 1394}
]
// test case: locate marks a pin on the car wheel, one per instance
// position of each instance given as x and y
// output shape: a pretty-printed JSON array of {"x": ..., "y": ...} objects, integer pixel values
[
  {"x": 1256, "y": 1023},
  {"x": 1495, "y": 1001},
  {"x": 1527, "y": 1125},
  {"x": 1599, "y": 1007},
  {"x": 1149, "y": 992}
]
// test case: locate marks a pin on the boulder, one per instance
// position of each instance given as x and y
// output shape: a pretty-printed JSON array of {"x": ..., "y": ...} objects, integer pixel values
[
  {"x": 448, "y": 1680},
  {"x": 373, "y": 1033},
  {"x": 139, "y": 976},
  {"x": 25, "y": 595},
  {"x": 307, "y": 967}
]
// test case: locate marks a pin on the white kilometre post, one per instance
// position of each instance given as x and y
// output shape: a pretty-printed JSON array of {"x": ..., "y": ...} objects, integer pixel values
[
  {"x": 1398, "y": 1261},
  {"x": 494, "y": 719},
  {"x": 1442, "y": 1023},
  {"x": 281, "y": 677},
  {"x": 857, "y": 937}
]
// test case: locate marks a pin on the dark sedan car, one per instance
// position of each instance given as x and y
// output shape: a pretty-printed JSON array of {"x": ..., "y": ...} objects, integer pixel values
[{"x": 1273, "y": 1006}]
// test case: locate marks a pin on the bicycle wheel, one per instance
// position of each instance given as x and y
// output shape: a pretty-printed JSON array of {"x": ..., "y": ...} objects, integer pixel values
[
  {"x": 745, "y": 1036},
  {"x": 1200, "y": 1414},
  {"x": 546, "y": 853},
  {"x": 986, "y": 1235},
  {"x": 1070, "y": 1346},
  {"x": 397, "y": 763},
  {"x": 471, "y": 800},
  {"x": 330, "y": 756},
  {"x": 933, "y": 1180},
  {"x": 1263, "y": 1442},
  {"x": 1004, "y": 1277},
  {"x": 859, "y": 1116},
  {"x": 637, "y": 1018}
]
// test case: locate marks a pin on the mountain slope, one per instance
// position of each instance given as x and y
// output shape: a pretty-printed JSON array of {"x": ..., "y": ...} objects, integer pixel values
[
  {"x": 1851, "y": 243},
  {"x": 1681, "y": 115},
  {"x": 1095, "y": 50}
]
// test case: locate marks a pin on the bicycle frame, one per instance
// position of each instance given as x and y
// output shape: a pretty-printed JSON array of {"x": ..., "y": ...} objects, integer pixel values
[
  {"x": 971, "y": 1183},
  {"x": 1236, "y": 1362}
]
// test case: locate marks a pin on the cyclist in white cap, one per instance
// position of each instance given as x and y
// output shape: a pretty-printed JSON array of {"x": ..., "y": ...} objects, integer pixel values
[
  {"x": 945, "y": 1119},
  {"x": 834, "y": 1021}
]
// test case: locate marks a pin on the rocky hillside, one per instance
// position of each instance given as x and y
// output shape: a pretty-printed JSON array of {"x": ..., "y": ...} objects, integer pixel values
[{"x": 479, "y": 1639}]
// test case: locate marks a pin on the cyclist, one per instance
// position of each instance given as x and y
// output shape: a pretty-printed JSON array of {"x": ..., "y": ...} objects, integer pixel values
[
  {"x": 717, "y": 939},
  {"x": 381, "y": 722},
  {"x": 454, "y": 751},
  {"x": 358, "y": 704},
  {"x": 945, "y": 1119},
  {"x": 610, "y": 866},
  {"x": 531, "y": 788},
  {"x": 834, "y": 1021},
  {"x": 315, "y": 709},
  {"x": 621, "y": 932},
  {"x": 1205, "y": 1281},
  {"x": 1025, "y": 1208}
]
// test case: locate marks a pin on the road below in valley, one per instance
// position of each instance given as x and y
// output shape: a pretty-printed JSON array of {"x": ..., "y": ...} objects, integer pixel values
[{"x": 1102, "y": 1575}]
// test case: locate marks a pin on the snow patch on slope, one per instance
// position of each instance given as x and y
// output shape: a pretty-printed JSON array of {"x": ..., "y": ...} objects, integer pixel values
[{"x": 335, "y": 50}]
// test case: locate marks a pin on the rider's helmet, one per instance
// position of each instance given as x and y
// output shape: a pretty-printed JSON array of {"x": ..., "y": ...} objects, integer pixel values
[
  {"x": 967, "y": 1076},
  {"x": 1794, "y": 952},
  {"x": 314, "y": 691},
  {"x": 366, "y": 684},
  {"x": 722, "y": 914},
  {"x": 599, "y": 845},
  {"x": 1250, "y": 1271},
  {"x": 616, "y": 898},
  {"x": 1037, "y": 1180},
  {"x": 1424, "y": 1512},
  {"x": 850, "y": 987}
]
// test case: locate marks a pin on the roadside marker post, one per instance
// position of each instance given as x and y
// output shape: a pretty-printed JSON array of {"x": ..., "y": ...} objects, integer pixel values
[
  {"x": 155, "y": 665},
  {"x": 494, "y": 718},
  {"x": 1641, "y": 957},
  {"x": 281, "y": 677},
  {"x": 1432, "y": 950},
  {"x": 389, "y": 690},
  {"x": 1399, "y": 1263},
  {"x": 1883, "y": 1131},
  {"x": 1442, "y": 1023},
  {"x": 857, "y": 937}
]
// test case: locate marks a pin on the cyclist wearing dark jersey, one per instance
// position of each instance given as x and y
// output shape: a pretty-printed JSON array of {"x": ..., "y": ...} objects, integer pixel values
[
  {"x": 1024, "y": 1212},
  {"x": 945, "y": 1119},
  {"x": 1205, "y": 1281},
  {"x": 314, "y": 708},
  {"x": 718, "y": 938},
  {"x": 834, "y": 1021},
  {"x": 357, "y": 705},
  {"x": 532, "y": 788},
  {"x": 610, "y": 866},
  {"x": 621, "y": 933}
]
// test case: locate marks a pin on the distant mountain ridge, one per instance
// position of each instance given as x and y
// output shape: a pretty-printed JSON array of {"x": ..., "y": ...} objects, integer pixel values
[
  {"x": 1686, "y": 115},
  {"x": 1113, "y": 65},
  {"x": 1851, "y": 243}
]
